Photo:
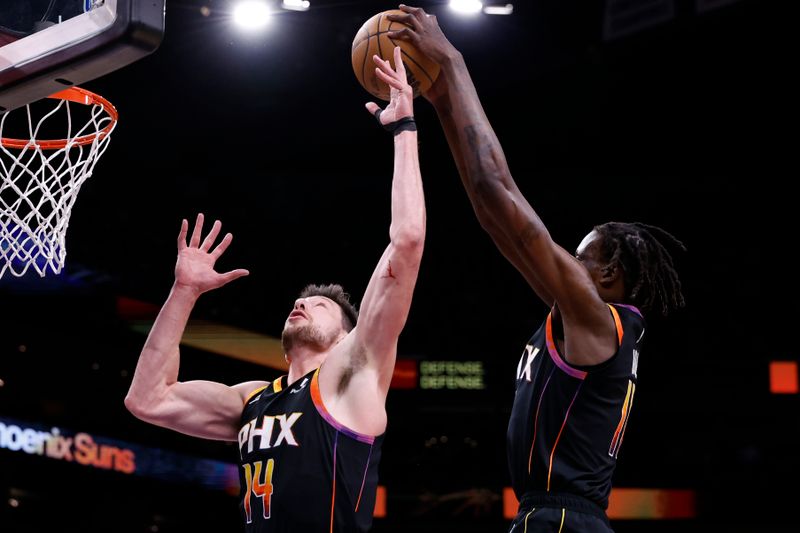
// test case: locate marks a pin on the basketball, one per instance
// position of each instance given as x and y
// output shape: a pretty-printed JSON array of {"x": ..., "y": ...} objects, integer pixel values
[{"x": 371, "y": 40}]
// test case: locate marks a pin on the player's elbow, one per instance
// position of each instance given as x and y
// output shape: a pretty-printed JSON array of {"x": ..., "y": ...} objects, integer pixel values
[
  {"x": 497, "y": 201},
  {"x": 491, "y": 184},
  {"x": 135, "y": 407},
  {"x": 487, "y": 220},
  {"x": 143, "y": 410},
  {"x": 484, "y": 217},
  {"x": 409, "y": 239}
]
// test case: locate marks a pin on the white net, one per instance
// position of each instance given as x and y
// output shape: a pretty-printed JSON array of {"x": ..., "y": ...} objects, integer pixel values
[{"x": 40, "y": 180}]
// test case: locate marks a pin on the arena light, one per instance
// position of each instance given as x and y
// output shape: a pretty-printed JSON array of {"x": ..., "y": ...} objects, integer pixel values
[
  {"x": 251, "y": 14},
  {"x": 507, "y": 9},
  {"x": 783, "y": 377},
  {"x": 296, "y": 5},
  {"x": 380, "y": 502},
  {"x": 468, "y": 7},
  {"x": 651, "y": 504}
]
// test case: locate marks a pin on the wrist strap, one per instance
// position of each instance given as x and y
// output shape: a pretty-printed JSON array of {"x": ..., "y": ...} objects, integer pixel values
[
  {"x": 404, "y": 124},
  {"x": 398, "y": 126}
]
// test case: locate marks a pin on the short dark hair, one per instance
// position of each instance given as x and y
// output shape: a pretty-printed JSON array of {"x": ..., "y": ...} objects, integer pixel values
[
  {"x": 651, "y": 280},
  {"x": 336, "y": 293}
]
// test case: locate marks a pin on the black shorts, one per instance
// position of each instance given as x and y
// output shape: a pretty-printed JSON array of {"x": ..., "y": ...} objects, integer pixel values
[{"x": 559, "y": 513}]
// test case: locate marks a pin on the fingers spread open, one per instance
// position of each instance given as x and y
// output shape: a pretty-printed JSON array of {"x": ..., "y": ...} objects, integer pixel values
[
  {"x": 399, "y": 70},
  {"x": 382, "y": 63},
  {"x": 404, "y": 18},
  {"x": 403, "y": 34},
  {"x": 197, "y": 231},
  {"x": 391, "y": 81},
  {"x": 227, "y": 277},
  {"x": 410, "y": 9},
  {"x": 399, "y": 67},
  {"x": 222, "y": 246},
  {"x": 212, "y": 236},
  {"x": 182, "y": 234}
]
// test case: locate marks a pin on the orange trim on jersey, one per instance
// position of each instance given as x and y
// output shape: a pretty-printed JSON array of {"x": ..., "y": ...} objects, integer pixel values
[
  {"x": 628, "y": 417},
  {"x": 618, "y": 323},
  {"x": 622, "y": 419},
  {"x": 250, "y": 396},
  {"x": 563, "y": 424},
  {"x": 276, "y": 385},
  {"x": 553, "y": 350},
  {"x": 333, "y": 495}
]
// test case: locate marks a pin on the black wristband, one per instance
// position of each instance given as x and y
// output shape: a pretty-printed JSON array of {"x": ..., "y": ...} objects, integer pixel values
[{"x": 403, "y": 124}]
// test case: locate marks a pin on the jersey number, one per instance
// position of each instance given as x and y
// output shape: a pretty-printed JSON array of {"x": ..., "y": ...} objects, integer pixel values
[{"x": 263, "y": 490}]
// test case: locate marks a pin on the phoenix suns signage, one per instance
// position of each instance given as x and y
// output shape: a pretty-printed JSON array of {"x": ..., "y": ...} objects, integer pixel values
[
  {"x": 81, "y": 448},
  {"x": 100, "y": 452}
]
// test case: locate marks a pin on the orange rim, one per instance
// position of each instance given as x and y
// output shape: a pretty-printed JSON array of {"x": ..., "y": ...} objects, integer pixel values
[{"x": 80, "y": 96}]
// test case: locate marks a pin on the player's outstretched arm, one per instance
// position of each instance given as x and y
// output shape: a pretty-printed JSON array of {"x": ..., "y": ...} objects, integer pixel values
[
  {"x": 555, "y": 275},
  {"x": 356, "y": 377},
  {"x": 498, "y": 203},
  {"x": 199, "y": 408}
]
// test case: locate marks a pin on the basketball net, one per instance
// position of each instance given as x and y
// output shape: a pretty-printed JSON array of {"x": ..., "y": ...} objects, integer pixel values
[{"x": 40, "y": 179}]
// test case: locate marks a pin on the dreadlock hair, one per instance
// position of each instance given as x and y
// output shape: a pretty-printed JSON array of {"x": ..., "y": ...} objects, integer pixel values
[
  {"x": 337, "y": 294},
  {"x": 651, "y": 281}
]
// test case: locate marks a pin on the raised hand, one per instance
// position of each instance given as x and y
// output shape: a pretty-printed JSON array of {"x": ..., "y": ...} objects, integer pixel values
[
  {"x": 423, "y": 31},
  {"x": 195, "y": 266},
  {"x": 401, "y": 94}
]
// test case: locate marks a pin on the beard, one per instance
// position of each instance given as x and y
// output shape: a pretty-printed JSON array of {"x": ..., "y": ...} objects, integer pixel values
[{"x": 306, "y": 335}]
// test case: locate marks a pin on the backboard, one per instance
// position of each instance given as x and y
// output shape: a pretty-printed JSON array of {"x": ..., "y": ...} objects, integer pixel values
[{"x": 47, "y": 46}]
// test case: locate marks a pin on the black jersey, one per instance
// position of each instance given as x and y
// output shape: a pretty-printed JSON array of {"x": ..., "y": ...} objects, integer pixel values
[
  {"x": 567, "y": 422},
  {"x": 301, "y": 471}
]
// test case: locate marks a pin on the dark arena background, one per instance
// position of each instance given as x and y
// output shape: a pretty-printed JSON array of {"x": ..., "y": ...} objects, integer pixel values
[{"x": 678, "y": 113}]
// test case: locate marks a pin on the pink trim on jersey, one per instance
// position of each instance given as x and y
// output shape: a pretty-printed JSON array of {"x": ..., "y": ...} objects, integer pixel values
[
  {"x": 551, "y": 349},
  {"x": 619, "y": 434},
  {"x": 323, "y": 412},
  {"x": 563, "y": 365},
  {"x": 632, "y": 308},
  {"x": 364, "y": 480}
]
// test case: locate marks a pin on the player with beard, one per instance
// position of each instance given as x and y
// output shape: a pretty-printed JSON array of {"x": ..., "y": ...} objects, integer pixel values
[{"x": 309, "y": 442}]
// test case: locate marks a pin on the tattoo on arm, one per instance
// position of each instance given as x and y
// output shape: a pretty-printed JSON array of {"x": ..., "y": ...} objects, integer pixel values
[{"x": 479, "y": 154}]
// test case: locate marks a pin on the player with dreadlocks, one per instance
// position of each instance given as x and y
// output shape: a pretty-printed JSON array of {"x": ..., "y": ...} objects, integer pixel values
[{"x": 576, "y": 380}]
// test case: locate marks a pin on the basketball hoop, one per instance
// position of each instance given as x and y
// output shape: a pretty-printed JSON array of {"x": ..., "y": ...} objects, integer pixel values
[{"x": 40, "y": 178}]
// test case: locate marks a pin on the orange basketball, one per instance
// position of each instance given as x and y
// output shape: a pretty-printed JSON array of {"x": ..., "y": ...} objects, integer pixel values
[{"x": 371, "y": 39}]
